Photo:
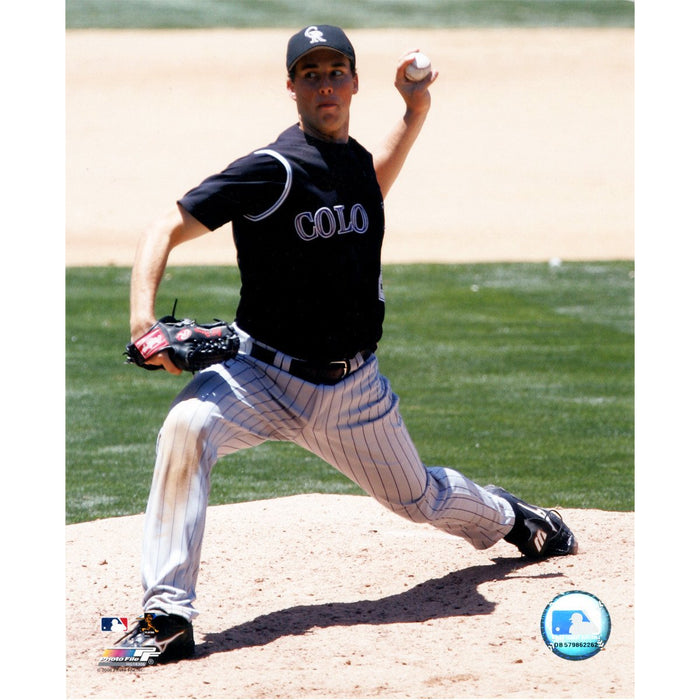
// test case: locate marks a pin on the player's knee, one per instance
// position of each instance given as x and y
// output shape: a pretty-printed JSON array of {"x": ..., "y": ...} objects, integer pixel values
[
  {"x": 425, "y": 507},
  {"x": 186, "y": 427},
  {"x": 183, "y": 416},
  {"x": 415, "y": 511}
]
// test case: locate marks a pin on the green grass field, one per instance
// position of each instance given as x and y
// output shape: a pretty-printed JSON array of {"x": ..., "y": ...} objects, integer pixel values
[
  {"x": 519, "y": 374},
  {"x": 359, "y": 13}
]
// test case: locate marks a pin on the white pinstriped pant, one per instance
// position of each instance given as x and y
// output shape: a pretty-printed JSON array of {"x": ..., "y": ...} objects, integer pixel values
[{"x": 354, "y": 425}]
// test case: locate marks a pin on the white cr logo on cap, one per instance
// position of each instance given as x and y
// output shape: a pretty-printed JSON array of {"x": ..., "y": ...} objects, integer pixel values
[{"x": 314, "y": 34}]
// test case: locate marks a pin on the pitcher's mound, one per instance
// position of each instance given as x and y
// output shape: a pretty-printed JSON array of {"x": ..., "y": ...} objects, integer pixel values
[{"x": 334, "y": 596}]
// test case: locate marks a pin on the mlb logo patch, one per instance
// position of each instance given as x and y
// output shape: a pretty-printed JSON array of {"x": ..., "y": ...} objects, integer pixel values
[{"x": 114, "y": 624}]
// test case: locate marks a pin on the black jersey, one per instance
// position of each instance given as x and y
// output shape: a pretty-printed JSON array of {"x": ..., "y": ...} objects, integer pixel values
[{"x": 308, "y": 223}]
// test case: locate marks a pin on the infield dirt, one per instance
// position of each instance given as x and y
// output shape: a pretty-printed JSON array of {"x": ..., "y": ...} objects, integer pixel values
[{"x": 527, "y": 155}]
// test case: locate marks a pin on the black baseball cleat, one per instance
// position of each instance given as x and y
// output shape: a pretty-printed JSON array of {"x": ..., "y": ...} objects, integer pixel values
[
  {"x": 170, "y": 635},
  {"x": 538, "y": 533}
]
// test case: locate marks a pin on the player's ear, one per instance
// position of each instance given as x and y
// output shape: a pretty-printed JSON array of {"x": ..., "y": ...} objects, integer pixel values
[
  {"x": 356, "y": 84},
  {"x": 290, "y": 89}
]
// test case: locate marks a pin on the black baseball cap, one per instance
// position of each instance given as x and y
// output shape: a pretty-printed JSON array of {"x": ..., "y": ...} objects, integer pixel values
[{"x": 318, "y": 37}]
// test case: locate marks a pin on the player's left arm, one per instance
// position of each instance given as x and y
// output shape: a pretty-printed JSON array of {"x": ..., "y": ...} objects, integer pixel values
[{"x": 389, "y": 159}]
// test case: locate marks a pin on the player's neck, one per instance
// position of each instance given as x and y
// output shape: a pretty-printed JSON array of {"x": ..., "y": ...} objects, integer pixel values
[{"x": 341, "y": 136}]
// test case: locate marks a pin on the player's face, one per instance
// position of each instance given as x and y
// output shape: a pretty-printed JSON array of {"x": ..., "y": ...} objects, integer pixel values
[{"x": 323, "y": 87}]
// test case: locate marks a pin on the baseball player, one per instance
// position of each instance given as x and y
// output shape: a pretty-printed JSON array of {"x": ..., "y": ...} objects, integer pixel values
[{"x": 307, "y": 212}]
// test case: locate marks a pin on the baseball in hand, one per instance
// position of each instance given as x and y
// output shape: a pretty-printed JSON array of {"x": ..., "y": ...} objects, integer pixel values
[{"x": 419, "y": 67}]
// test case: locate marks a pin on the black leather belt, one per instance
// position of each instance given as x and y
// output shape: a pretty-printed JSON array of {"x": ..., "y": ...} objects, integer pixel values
[{"x": 329, "y": 373}]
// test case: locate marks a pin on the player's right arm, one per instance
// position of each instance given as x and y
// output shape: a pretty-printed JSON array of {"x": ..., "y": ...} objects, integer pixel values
[
  {"x": 389, "y": 159},
  {"x": 153, "y": 250}
]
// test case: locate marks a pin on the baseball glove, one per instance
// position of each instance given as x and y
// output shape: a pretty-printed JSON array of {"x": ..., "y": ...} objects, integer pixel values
[{"x": 191, "y": 346}]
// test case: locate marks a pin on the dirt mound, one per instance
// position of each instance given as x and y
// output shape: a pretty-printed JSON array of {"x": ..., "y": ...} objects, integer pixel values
[
  {"x": 333, "y": 596},
  {"x": 528, "y": 152}
]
